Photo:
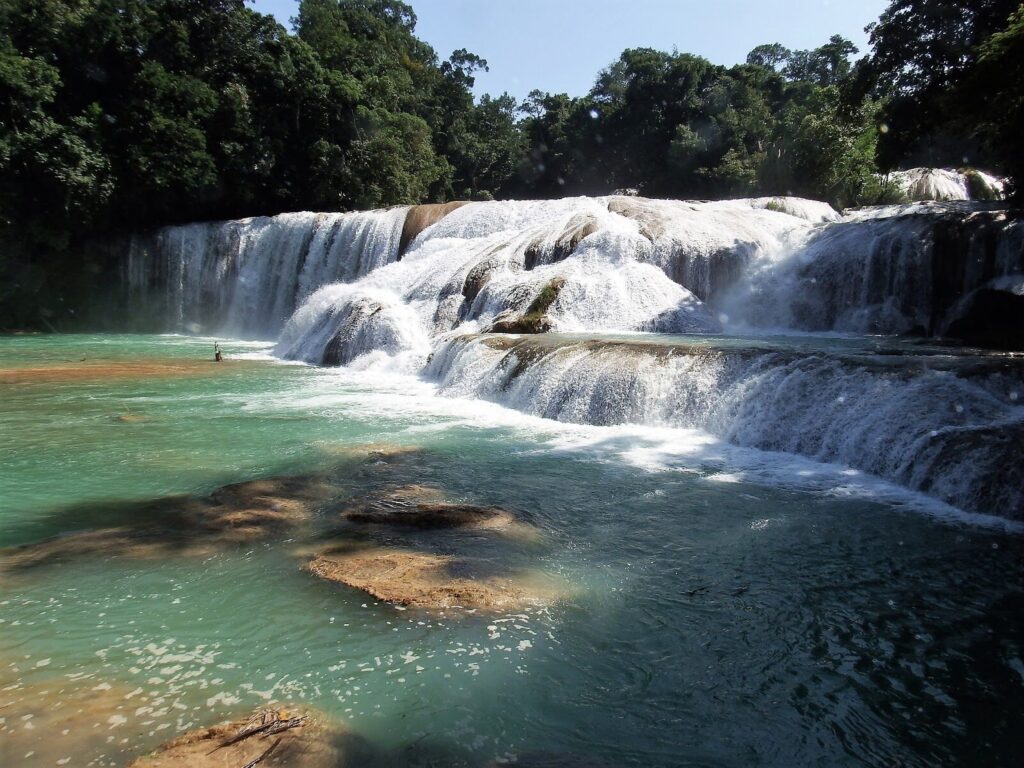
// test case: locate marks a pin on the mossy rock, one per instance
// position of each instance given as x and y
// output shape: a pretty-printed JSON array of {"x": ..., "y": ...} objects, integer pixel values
[
  {"x": 977, "y": 187},
  {"x": 535, "y": 319}
]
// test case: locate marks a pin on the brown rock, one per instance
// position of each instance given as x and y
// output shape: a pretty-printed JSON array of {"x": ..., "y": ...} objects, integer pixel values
[
  {"x": 651, "y": 225},
  {"x": 420, "y": 217},
  {"x": 423, "y": 580},
  {"x": 130, "y": 418},
  {"x": 476, "y": 280},
  {"x": 259, "y": 507},
  {"x": 112, "y": 370},
  {"x": 185, "y": 526},
  {"x": 535, "y": 320},
  {"x": 578, "y": 227},
  {"x": 108, "y": 542},
  {"x": 270, "y": 737},
  {"x": 370, "y": 453},
  {"x": 51, "y": 720}
]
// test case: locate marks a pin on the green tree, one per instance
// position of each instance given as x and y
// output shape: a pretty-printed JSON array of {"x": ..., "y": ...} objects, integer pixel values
[
  {"x": 994, "y": 93},
  {"x": 770, "y": 55},
  {"x": 922, "y": 51}
]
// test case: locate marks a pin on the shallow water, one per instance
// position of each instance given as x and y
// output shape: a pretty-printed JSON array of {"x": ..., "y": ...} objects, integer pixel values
[{"x": 725, "y": 606}]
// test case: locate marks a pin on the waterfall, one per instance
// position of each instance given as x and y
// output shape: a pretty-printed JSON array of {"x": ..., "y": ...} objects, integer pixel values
[
  {"x": 480, "y": 297},
  {"x": 952, "y": 427},
  {"x": 246, "y": 277},
  {"x": 919, "y": 184},
  {"x": 883, "y": 270},
  {"x": 778, "y": 263},
  {"x": 614, "y": 264}
]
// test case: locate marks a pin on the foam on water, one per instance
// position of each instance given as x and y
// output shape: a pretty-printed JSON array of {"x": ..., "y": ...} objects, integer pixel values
[
  {"x": 955, "y": 433},
  {"x": 613, "y": 265}
]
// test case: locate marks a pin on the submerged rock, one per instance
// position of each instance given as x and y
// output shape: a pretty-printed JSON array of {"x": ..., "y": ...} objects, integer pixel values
[
  {"x": 253, "y": 509},
  {"x": 184, "y": 525},
  {"x": 370, "y": 452},
  {"x": 53, "y": 720},
  {"x": 374, "y": 460},
  {"x": 113, "y": 370},
  {"x": 426, "y": 580},
  {"x": 128, "y": 543},
  {"x": 130, "y": 418},
  {"x": 281, "y": 737},
  {"x": 551, "y": 760},
  {"x": 423, "y": 507}
]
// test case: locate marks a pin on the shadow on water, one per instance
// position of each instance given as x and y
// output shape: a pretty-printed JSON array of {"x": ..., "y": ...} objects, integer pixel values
[{"x": 750, "y": 627}]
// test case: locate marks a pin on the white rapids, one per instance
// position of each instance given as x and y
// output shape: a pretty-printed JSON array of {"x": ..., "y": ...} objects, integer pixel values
[{"x": 339, "y": 289}]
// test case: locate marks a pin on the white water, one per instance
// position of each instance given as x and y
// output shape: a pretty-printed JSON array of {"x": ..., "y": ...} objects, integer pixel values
[
  {"x": 246, "y": 277},
  {"x": 945, "y": 184},
  {"x": 950, "y": 429},
  {"x": 882, "y": 270},
  {"x": 334, "y": 290}
]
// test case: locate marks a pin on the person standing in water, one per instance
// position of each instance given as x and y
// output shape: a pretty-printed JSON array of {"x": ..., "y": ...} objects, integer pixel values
[{"x": 217, "y": 356}]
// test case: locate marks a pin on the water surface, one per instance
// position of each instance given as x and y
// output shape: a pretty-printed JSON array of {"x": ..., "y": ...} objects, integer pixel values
[{"x": 809, "y": 618}]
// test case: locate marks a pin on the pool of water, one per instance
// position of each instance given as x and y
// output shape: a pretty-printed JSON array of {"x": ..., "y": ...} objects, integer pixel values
[{"x": 713, "y": 615}]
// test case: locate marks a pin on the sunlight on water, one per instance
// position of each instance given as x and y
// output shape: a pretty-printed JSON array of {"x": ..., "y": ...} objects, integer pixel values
[{"x": 719, "y": 602}]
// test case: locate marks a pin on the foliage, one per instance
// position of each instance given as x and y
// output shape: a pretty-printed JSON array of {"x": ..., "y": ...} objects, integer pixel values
[
  {"x": 925, "y": 53},
  {"x": 996, "y": 96},
  {"x": 117, "y": 115}
]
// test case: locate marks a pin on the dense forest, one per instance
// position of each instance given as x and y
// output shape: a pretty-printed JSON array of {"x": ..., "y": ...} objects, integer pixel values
[{"x": 117, "y": 115}]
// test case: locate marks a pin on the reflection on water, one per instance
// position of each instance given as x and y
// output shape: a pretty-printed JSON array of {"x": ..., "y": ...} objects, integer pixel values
[{"x": 717, "y": 614}]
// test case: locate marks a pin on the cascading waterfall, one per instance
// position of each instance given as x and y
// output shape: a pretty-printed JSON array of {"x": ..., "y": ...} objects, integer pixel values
[
  {"x": 952, "y": 427},
  {"x": 614, "y": 264},
  {"x": 883, "y": 270},
  {"x": 246, "y": 277},
  {"x": 355, "y": 289},
  {"x": 946, "y": 184}
]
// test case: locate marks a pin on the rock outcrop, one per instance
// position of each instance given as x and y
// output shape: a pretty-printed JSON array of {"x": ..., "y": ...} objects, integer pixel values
[
  {"x": 419, "y": 217},
  {"x": 270, "y": 737},
  {"x": 428, "y": 580},
  {"x": 535, "y": 319},
  {"x": 564, "y": 245}
]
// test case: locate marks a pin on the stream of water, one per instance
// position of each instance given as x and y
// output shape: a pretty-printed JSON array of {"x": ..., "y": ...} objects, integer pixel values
[{"x": 724, "y": 605}]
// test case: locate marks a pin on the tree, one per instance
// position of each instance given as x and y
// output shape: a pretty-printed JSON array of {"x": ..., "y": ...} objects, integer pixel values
[
  {"x": 824, "y": 151},
  {"x": 995, "y": 94},
  {"x": 771, "y": 55},
  {"x": 827, "y": 65},
  {"x": 922, "y": 51}
]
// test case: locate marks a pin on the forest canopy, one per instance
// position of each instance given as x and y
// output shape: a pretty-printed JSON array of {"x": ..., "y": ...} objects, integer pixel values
[{"x": 117, "y": 115}]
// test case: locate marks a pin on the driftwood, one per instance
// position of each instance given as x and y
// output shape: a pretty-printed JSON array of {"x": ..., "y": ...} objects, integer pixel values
[
  {"x": 256, "y": 761},
  {"x": 284, "y": 725},
  {"x": 265, "y": 723}
]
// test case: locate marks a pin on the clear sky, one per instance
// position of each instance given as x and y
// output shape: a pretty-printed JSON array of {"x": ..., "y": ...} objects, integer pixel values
[{"x": 560, "y": 45}]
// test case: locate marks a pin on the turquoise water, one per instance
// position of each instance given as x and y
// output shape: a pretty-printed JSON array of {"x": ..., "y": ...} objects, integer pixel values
[{"x": 809, "y": 618}]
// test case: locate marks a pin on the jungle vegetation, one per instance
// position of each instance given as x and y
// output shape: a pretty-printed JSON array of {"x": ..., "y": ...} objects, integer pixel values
[{"x": 117, "y": 115}]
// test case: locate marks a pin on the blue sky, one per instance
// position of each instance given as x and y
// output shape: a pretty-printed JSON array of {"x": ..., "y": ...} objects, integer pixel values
[{"x": 560, "y": 45}]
